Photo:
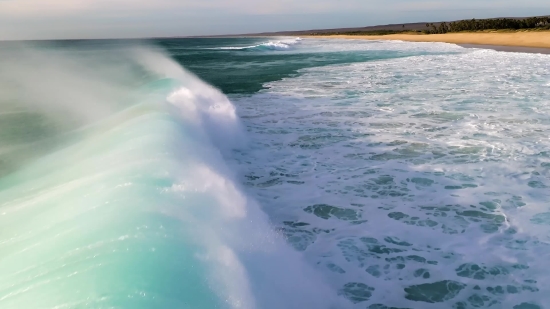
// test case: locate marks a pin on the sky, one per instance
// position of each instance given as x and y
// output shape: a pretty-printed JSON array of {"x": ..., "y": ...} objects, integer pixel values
[{"x": 72, "y": 19}]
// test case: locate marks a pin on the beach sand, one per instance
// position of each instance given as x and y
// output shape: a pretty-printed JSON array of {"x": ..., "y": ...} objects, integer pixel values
[{"x": 538, "y": 41}]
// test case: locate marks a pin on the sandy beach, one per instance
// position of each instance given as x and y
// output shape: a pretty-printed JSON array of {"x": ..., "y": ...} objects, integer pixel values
[{"x": 539, "y": 39}]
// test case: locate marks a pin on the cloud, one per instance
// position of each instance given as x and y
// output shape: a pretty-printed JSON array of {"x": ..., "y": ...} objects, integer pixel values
[
  {"x": 57, "y": 8},
  {"x": 27, "y": 19},
  {"x": 60, "y": 8},
  {"x": 435, "y": 6}
]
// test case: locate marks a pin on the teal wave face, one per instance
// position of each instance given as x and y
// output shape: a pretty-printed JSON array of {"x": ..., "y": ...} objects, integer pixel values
[{"x": 90, "y": 232}]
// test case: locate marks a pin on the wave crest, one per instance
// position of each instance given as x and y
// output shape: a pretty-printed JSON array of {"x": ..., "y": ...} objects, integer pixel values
[{"x": 281, "y": 45}]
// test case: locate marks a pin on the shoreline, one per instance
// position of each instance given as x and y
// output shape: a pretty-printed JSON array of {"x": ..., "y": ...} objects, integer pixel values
[
  {"x": 510, "y": 49},
  {"x": 526, "y": 42}
]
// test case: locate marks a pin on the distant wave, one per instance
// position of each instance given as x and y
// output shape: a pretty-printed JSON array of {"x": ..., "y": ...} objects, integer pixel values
[{"x": 281, "y": 45}]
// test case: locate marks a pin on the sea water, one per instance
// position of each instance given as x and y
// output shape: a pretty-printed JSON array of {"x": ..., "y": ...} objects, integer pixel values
[{"x": 321, "y": 174}]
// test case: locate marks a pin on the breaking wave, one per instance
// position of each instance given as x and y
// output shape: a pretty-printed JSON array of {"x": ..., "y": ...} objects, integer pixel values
[
  {"x": 282, "y": 45},
  {"x": 114, "y": 191}
]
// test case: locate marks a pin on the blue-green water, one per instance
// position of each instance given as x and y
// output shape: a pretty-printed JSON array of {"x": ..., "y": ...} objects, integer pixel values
[
  {"x": 280, "y": 173},
  {"x": 245, "y": 65}
]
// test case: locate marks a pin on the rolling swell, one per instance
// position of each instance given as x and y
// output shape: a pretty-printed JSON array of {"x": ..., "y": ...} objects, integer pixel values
[{"x": 115, "y": 192}]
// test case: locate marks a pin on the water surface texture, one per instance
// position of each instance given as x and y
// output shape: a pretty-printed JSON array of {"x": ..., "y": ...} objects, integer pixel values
[{"x": 289, "y": 174}]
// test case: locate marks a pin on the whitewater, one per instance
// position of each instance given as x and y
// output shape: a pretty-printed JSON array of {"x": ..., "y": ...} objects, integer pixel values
[{"x": 287, "y": 173}]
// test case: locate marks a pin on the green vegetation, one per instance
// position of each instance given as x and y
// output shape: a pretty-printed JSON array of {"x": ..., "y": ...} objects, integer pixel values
[
  {"x": 491, "y": 24},
  {"x": 472, "y": 25}
]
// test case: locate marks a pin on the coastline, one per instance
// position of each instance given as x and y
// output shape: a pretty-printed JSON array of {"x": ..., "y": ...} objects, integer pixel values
[
  {"x": 512, "y": 49},
  {"x": 528, "y": 42}
]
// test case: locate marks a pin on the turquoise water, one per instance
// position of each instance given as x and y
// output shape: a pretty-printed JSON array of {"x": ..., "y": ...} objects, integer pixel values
[{"x": 280, "y": 173}]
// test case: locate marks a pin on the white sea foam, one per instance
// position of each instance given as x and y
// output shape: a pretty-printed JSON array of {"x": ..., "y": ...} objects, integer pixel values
[{"x": 396, "y": 174}]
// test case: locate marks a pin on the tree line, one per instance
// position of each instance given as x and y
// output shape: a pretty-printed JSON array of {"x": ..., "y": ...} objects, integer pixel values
[{"x": 489, "y": 24}]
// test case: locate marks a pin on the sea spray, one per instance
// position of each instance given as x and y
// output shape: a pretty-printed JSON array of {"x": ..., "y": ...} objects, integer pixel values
[{"x": 126, "y": 200}]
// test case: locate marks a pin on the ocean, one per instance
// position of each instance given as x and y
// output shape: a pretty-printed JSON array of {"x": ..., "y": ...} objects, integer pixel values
[{"x": 273, "y": 173}]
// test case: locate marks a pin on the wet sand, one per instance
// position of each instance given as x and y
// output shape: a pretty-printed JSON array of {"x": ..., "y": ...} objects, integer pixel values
[
  {"x": 531, "y": 42},
  {"x": 514, "y": 49}
]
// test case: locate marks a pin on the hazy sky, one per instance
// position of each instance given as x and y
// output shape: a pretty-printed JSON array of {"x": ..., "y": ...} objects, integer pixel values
[{"x": 46, "y": 19}]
